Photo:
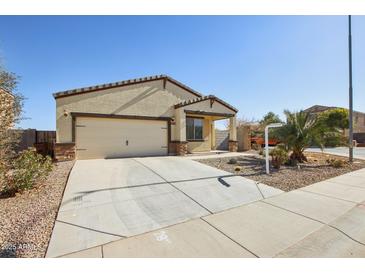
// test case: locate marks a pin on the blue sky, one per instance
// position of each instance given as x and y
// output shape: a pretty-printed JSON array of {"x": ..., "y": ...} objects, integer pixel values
[{"x": 256, "y": 63}]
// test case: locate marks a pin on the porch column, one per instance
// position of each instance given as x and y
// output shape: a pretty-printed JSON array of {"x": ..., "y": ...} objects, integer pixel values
[
  {"x": 232, "y": 143},
  {"x": 212, "y": 127},
  {"x": 180, "y": 134}
]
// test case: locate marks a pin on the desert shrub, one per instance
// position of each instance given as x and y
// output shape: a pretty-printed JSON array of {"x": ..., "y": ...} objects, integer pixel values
[
  {"x": 337, "y": 163},
  {"x": 232, "y": 161},
  {"x": 279, "y": 157},
  {"x": 27, "y": 168},
  {"x": 256, "y": 147}
]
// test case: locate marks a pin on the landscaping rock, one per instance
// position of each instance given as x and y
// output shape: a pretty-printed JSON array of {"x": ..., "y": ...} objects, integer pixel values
[
  {"x": 27, "y": 219},
  {"x": 287, "y": 178}
]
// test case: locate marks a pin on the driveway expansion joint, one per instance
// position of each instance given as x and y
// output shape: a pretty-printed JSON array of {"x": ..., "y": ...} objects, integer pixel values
[
  {"x": 230, "y": 238},
  {"x": 91, "y": 229},
  {"x": 258, "y": 188},
  {"x": 337, "y": 183},
  {"x": 171, "y": 184},
  {"x": 328, "y": 196}
]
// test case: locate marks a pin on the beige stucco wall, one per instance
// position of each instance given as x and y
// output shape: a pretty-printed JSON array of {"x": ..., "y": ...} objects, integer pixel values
[
  {"x": 206, "y": 145},
  {"x": 143, "y": 99},
  {"x": 244, "y": 138},
  {"x": 180, "y": 125}
]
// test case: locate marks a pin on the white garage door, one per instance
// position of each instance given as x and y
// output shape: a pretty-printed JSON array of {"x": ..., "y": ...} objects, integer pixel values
[{"x": 112, "y": 138}]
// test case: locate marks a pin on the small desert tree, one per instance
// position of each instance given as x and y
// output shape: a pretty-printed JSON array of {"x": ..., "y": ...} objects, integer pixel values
[
  {"x": 17, "y": 171},
  {"x": 11, "y": 105}
]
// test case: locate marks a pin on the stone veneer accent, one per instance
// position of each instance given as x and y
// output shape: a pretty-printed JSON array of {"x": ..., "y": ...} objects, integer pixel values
[
  {"x": 178, "y": 148},
  {"x": 64, "y": 151},
  {"x": 232, "y": 146},
  {"x": 181, "y": 148}
]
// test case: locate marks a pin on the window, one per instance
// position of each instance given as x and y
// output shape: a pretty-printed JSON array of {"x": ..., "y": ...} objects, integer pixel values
[{"x": 194, "y": 129}]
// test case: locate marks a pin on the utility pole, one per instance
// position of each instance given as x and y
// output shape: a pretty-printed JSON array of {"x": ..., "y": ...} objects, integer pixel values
[{"x": 351, "y": 134}]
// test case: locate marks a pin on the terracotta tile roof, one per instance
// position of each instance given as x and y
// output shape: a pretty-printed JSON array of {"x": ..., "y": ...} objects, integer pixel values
[
  {"x": 200, "y": 99},
  {"x": 317, "y": 108},
  {"x": 124, "y": 83}
]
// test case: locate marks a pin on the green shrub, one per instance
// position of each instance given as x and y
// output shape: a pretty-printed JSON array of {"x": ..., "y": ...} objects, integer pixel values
[
  {"x": 335, "y": 140},
  {"x": 28, "y": 168},
  {"x": 279, "y": 157},
  {"x": 232, "y": 161}
]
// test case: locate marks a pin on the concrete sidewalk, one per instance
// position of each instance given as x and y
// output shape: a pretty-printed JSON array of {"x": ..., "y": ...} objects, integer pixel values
[
  {"x": 326, "y": 219},
  {"x": 359, "y": 152}
]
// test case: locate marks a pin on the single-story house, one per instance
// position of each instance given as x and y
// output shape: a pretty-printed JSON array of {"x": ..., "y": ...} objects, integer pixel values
[{"x": 148, "y": 116}]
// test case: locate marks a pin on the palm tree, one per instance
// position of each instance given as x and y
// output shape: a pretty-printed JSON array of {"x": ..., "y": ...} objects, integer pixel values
[{"x": 303, "y": 130}]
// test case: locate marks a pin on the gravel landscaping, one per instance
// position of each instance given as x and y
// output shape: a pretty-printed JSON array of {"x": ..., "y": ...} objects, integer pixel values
[
  {"x": 287, "y": 177},
  {"x": 27, "y": 219}
]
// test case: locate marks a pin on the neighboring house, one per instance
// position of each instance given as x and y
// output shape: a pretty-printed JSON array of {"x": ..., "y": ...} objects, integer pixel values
[
  {"x": 358, "y": 117},
  {"x": 147, "y": 116}
]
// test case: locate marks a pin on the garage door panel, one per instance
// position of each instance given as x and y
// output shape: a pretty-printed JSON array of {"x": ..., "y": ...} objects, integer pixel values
[{"x": 111, "y": 138}]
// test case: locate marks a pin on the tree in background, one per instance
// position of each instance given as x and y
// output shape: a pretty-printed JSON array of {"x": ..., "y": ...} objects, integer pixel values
[
  {"x": 11, "y": 104},
  {"x": 269, "y": 118},
  {"x": 336, "y": 118}
]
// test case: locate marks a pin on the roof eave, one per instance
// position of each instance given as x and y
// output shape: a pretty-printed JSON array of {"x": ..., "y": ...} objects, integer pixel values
[
  {"x": 209, "y": 97},
  {"x": 124, "y": 83}
]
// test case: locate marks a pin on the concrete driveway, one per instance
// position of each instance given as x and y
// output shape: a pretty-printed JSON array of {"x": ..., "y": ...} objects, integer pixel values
[
  {"x": 109, "y": 200},
  {"x": 325, "y": 219}
]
